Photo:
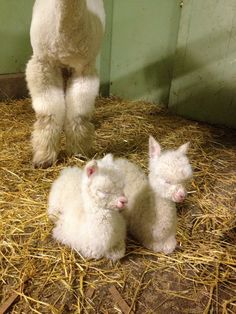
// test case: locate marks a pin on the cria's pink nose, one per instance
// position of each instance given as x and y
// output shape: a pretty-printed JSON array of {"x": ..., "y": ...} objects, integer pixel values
[
  {"x": 122, "y": 201},
  {"x": 179, "y": 196}
]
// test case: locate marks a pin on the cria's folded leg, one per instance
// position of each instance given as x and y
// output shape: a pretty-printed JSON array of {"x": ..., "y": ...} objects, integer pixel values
[
  {"x": 116, "y": 252},
  {"x": 81, "y": 92},
  {"x": 169, "y": 245},
  {"x": 45, "y": 84},
  {"x": 59, "y": 233}
]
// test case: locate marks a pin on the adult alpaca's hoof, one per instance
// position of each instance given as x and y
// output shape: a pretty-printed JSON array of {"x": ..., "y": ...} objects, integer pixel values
[
  {"x": 83, "y": 150},
  {"x": 42, "y": 164},
  {"x": 43, "y": 161}
]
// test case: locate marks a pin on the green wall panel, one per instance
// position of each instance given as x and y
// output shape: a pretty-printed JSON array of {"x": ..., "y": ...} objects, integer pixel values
[
  {"x": 15, "y": 16},
  {"x": 104, "y": 59},
  {"x": 144, "y": 35},
  {"x": 203, "y": 85}
]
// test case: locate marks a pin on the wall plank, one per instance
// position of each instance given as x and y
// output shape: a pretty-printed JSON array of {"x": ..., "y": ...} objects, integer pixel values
[
  {"x": 15, "y": 17},
  {"x": 203, "y": 85},
  {"x": 144, "y": 36}
]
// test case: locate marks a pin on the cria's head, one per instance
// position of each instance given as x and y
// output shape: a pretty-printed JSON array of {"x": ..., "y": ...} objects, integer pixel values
[
  {"x": 105, "y": 186},
  {"x": 172, "y": 165}
]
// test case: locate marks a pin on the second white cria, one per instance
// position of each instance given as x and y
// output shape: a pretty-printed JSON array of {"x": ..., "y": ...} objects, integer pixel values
[{"x": 151, "y": 211}]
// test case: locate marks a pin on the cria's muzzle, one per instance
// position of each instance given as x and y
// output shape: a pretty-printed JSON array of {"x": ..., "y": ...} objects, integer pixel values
[
  {"x": 179, "y": 195},
  {"x": 121, "y": 203}
]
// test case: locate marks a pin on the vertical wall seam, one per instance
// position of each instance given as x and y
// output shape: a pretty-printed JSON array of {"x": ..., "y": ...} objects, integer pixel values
[{"x": 107, "y": 49}]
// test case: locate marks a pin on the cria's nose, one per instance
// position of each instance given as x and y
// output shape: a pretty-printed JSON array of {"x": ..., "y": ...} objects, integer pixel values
[
  {"x": 122, "y": 201},
  {"x": 180, "y": 196}
]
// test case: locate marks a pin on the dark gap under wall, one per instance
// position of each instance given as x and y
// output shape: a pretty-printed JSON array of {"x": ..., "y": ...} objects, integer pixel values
[{"x": 13, "y": 86}]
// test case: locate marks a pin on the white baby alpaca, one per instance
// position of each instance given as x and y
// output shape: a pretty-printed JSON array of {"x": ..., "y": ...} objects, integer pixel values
[
  {"x": 85, "y": 205},
  {"x": 65, "y": 35},
  {"x": 151, "y": 211},
  {"x": 169, "y": 172}
]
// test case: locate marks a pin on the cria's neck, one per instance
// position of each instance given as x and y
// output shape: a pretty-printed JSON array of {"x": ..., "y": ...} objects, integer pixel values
[
  {"x": 157, "y": 194},
  {"x": 153, "y": 184},
  {"x": 94, "y": 208},
  {"x": 100, "y": 213}
]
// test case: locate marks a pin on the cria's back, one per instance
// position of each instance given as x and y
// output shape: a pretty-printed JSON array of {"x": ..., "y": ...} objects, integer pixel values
[
  {"x": 135, "y": 178},
  {"x": 140, "y": 198},
  {"x": 65, "y": 191}
]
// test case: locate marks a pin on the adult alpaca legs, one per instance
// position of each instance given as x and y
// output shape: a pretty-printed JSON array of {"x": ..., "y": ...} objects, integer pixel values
[
  {"x": 82, "y": 89},
  {"x": 45, "y": 84}
]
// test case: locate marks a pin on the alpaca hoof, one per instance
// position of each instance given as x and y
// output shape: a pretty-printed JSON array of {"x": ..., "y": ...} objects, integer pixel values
[
  {"x": 43, "y": 163},
  {"x": 83, "y": 151}
]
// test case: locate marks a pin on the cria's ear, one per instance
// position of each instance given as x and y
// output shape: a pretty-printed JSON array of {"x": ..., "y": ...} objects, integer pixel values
[
  {"x": 91, "y": 167},
  {"x": 108, "y": 158},
  {"x": 183, "y": 149},
  {"x": 154, "y": 147}
]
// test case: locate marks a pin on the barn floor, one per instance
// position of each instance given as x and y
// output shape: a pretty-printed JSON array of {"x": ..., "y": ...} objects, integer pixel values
[{"x": 40, "y": 276}]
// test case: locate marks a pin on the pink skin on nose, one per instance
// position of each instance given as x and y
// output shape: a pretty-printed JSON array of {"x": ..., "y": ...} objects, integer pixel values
[
  {"x": 179, "y": 196},
  {"x": 122, "y": 201}
]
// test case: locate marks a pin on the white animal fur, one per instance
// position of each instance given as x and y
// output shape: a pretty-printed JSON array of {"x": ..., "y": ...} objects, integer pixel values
[
  {"x": 65, "y": 34},
  {"x": 151, "y": 210},
  {"x": 85, "y": 206}
]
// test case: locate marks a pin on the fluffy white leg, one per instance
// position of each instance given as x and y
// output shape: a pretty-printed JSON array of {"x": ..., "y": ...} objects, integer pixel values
[
  {"x": 81, "y": 92},
  {"x": 45, "y": 84},
  {"x": 117, "y": 252},
  {"x": 59, "y": 234}
]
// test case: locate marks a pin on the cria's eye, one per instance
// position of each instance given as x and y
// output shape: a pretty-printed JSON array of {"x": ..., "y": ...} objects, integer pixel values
[
  {"x": 102, "y": 194},
  {"x": 168, "y": 181}
]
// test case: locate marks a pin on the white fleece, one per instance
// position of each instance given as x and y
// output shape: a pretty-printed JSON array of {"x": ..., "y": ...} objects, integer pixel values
[{"x": 85, "y": 206}]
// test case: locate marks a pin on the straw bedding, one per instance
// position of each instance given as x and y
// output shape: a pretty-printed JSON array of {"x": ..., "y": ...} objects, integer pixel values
[{"x": 40, "y": 276}]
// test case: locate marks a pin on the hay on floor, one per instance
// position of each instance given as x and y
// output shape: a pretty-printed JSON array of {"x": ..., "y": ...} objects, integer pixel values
[{"x": 44, "y": 277}]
